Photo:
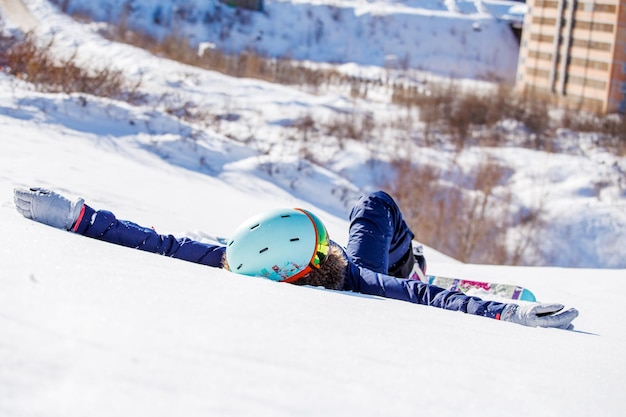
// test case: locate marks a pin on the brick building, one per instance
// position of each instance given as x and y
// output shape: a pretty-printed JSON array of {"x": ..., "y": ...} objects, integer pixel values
[{"x": 574, "y": 51}]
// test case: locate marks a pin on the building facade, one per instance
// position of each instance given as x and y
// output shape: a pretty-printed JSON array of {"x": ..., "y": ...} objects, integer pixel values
[{"x": 574, "y": 52}]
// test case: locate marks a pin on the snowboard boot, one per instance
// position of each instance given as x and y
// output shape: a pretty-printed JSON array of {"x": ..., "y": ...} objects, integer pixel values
[{"x": 419, "y": 269}]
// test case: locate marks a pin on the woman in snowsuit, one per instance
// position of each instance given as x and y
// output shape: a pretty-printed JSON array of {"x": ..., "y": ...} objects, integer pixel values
[{"x": 378, "y": 259}]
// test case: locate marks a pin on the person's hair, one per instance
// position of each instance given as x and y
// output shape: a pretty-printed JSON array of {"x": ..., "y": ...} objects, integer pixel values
[{"x": 330, "y": 275}]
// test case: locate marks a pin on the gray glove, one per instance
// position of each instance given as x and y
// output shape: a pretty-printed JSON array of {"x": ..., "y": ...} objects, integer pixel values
[
  {"x": 539, "y": 315},
  {"x": 47, "y": 207}
]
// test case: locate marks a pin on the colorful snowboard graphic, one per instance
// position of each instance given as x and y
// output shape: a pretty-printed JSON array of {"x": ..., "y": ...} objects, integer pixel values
[{"x": 514, "y": 292}]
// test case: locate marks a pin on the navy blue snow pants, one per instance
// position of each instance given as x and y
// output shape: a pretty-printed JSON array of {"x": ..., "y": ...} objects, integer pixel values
[{"x": 379, "y": 239}]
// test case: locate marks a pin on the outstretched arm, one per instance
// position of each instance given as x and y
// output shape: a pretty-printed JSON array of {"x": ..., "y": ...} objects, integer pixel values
[
  {"x": 53, "y": 209},
  {"x": 536, "y": 315},
  {"x": 375, "y": 283}
]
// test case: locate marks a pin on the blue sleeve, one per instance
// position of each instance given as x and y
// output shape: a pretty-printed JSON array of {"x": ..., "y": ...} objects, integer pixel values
[
  {"x": 103, "y": 225},
  {"x": 373, "y": 283}
]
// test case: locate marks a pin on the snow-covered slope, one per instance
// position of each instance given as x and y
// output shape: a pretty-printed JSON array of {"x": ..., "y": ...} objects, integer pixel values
[
  {"x": 580, "y": 192},
  {"x": 89, "y": 328},
  {"x": 456, "y": 38},
  {"x": 92, "y": 329}
]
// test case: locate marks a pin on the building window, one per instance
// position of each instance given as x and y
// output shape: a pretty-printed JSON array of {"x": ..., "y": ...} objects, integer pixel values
[
  {"x": 585, "y": 7},
  {"x": 544, "y": 20},
  {"x": 539, "y": 73},
  {"x": 595, "y": 84},
  {"x": 541, "y": 38},
  {"x": 585, "y": 63},
  {"x": 622, "y": 87},
  {"x": 588, "y": 7},
  {"x": 595, "y": 26},
  {"x": 540, "y": 55},
  {"x": 547, "y": 4},
  {"x": 600, "y": 46},
  {"x": 598, "y": 85}
]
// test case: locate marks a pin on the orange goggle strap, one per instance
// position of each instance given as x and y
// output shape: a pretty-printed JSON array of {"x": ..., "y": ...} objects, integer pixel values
[{"x": 322, "y": 247}]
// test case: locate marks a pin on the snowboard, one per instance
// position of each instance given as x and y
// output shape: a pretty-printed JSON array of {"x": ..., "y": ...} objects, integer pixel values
[{"x": 512, "y": 291}]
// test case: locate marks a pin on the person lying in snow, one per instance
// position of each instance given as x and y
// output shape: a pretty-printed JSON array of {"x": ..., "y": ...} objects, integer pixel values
[{"x": 292, "y": 245}]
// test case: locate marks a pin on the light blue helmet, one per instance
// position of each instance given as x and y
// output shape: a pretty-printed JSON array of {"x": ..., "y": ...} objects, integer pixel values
[{"x": 282, "y": 245}]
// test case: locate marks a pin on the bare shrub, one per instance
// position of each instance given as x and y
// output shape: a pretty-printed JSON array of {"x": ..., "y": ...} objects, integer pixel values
[
  {"x": 311, "y": 141},
  {"x": 418, "y": 192},
  {"x": 470, "y": 224},
  {"x": 36, "y": 64},
  {"x": 529, "y": 222},
  {"x": 532, "y": 110},
  {"x": 351, "y": 125},
  {"x": 500, "y": 105},
  {"x": 611, "y": 128},
  {"x": 620, "y": 128},
  {"x": 485, "y": 216},
  {"x": 468, "y": 110}
]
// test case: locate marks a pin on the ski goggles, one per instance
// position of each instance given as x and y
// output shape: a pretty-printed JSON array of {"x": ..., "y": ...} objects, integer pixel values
[{"x": 322, "y": 246}]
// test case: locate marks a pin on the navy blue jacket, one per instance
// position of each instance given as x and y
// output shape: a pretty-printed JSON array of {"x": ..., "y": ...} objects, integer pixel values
[{"x": 103, "y": 225}]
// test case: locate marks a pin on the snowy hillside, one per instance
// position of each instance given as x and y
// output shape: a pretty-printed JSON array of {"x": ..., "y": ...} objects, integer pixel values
[
  {"x": 453, "y": 38},
  {"x": 89, "y": 328},
  {"x": 92, "y": 329},
  {"x": 580, "y": 192}
]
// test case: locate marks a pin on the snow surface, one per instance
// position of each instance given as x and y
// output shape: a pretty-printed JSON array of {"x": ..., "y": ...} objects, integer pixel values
[
  {"x": 89, "y": 328},
  {"x": 458, "y": 38},
  {"x": 93, "y": 329}
]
